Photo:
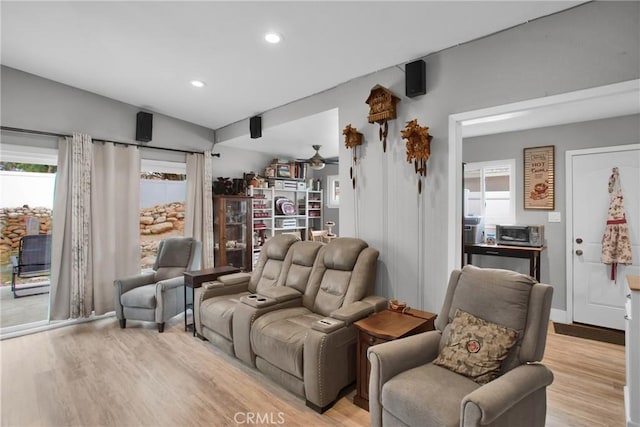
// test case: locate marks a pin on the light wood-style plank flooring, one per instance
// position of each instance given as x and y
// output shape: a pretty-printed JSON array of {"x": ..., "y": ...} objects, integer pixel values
[{"x": 95, "y": 374}]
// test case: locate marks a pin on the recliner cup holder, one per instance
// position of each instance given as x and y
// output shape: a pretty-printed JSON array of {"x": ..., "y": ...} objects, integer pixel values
[{"x": 257, "y": 300}]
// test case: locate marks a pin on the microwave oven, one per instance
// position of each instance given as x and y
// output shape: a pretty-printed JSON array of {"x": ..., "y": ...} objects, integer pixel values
[{"x": 520, "y": 235}]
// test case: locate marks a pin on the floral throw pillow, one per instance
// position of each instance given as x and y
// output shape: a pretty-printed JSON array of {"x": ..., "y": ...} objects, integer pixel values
[{"x": 476, "y": 347}]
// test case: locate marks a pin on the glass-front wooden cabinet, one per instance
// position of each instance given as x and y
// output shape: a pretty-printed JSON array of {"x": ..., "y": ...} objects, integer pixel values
[{"x": 232, "y": 230}]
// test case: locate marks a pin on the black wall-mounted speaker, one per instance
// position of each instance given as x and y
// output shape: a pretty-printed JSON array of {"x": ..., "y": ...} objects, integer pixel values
[
  {"x": 144, "y": 126},
  {"x": 255, "y": 126},
  {"x": 415, "y": 78}
]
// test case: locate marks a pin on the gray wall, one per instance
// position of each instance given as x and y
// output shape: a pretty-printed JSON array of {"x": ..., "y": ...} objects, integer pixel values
[
  {"x": 594, "y": 44},
  {"x": 597, "y": 133},
  {"x": 234, "y": 162},
  {"x": 31, "y": 102}
]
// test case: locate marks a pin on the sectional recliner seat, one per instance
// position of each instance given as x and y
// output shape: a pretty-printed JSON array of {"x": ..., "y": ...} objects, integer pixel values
[
  {"x": 215, "y": 302},
  {"x": 292, "y": 319}
]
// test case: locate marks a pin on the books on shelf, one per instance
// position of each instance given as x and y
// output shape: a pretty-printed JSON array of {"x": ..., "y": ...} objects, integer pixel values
[{"x": 287, "y": 170}]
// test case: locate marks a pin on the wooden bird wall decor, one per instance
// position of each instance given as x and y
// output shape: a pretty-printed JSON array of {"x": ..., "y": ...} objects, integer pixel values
[
  {"x": 352, "y": 139},
  {"x": 418, "y": 148},
  {"x": 382, "y": 107}
]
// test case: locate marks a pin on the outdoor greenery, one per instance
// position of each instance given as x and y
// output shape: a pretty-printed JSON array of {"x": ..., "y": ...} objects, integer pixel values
[
  {"x": 27, "y": 167},
  {"x": 163, "y": 176}
]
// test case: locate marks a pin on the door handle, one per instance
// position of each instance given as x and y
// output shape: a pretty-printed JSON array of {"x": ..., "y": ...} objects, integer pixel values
[
  {"x": 579, "y": 252},
  {"x": 578, "y": 240}
]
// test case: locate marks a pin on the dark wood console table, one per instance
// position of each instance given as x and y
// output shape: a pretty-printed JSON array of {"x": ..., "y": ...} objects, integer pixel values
[
  {"x": 195, "y": 279},
  {"x": 531, "y": 253}
]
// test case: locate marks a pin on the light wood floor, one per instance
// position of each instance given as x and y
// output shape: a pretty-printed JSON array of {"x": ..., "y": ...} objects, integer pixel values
[{"x": 95, "y": 374}]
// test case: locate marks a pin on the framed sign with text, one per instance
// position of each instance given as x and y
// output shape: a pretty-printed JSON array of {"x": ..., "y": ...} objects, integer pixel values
[{"x": 539, "y": 177}]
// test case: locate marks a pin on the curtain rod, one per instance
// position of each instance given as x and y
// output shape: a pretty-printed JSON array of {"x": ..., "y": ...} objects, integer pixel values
[{"x": 61, "y": 135}]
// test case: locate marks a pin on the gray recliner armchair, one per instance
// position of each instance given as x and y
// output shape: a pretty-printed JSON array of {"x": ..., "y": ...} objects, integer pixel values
[
  {"x": 406, "y": 388},
  {"x": 158, "y": 295}
]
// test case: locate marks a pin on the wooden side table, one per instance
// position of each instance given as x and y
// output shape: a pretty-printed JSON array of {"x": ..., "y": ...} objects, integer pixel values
[
  {"x": 379, "y": 328},
  {"x": 195, "y": 279}
]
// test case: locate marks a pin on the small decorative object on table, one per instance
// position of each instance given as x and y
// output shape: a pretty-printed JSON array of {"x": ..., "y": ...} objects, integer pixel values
[{"x": 399, "y": 307}]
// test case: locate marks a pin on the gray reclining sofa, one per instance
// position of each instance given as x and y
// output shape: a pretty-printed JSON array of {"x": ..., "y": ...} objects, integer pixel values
[{"x": 297, "y": 326}]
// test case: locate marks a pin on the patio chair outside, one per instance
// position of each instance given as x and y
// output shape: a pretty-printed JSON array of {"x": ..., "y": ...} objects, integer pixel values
[{"x": 33, "y": 260}]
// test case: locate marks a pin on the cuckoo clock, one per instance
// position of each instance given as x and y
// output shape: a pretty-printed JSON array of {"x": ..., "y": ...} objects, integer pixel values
[
  {"x": 352, "y": 139},
  {"x": 418, "y": 148},
  {"x": 382, "y": 107}
]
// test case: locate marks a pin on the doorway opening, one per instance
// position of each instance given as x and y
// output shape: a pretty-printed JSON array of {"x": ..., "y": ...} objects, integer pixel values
[{"x": 602, "y": 102}]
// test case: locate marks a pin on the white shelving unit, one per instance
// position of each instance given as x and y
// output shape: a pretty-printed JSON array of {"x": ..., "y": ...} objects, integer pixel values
[
  {"x": 267, "y": 222},
  {"x": 297, "y": 222},
  {"x": 314, "y": 210},
  {"x": 262, "y": 204}
]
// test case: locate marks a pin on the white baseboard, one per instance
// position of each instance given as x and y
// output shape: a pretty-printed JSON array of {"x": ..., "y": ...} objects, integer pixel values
[{"x": 559, "y": 316}]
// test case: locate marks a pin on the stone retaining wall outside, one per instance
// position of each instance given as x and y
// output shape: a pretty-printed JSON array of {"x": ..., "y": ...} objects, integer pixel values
[
  {"x": 156, "y": 223},
  {"x": 161, "y": 218},
  {"x": 158, "y": 220},
  {"x": 13, "y": 225}
]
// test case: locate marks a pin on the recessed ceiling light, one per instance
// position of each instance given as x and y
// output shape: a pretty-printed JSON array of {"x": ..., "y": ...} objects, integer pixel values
[
  {"x": 197, "y": 83},
  {"x": 273, "y": 38}
]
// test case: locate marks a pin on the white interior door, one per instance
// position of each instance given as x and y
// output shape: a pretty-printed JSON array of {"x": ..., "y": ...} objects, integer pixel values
[{"x": 597, "y": 300}]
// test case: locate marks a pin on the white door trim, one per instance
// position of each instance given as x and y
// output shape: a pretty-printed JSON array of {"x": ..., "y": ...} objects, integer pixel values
[
  {"x": 569, "y": 155},
  {"x": 456, "y": 123}
]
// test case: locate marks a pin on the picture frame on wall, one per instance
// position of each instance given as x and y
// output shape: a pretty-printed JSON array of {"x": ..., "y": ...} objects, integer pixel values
[{"x": 539, "y": 177}]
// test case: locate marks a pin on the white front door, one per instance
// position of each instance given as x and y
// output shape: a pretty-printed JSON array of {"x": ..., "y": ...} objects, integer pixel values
[{"x": 597, "y": 300}]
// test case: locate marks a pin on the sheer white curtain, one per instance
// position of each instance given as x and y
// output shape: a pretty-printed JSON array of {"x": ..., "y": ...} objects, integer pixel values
[
  {"x": 115, "y": 220},
  {"x": 95, "y": 225},
  {"x": 199, "y": 212}
]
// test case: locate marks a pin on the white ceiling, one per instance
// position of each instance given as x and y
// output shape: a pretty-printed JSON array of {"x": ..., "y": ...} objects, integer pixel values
[{"x": 145, "y": 53}]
